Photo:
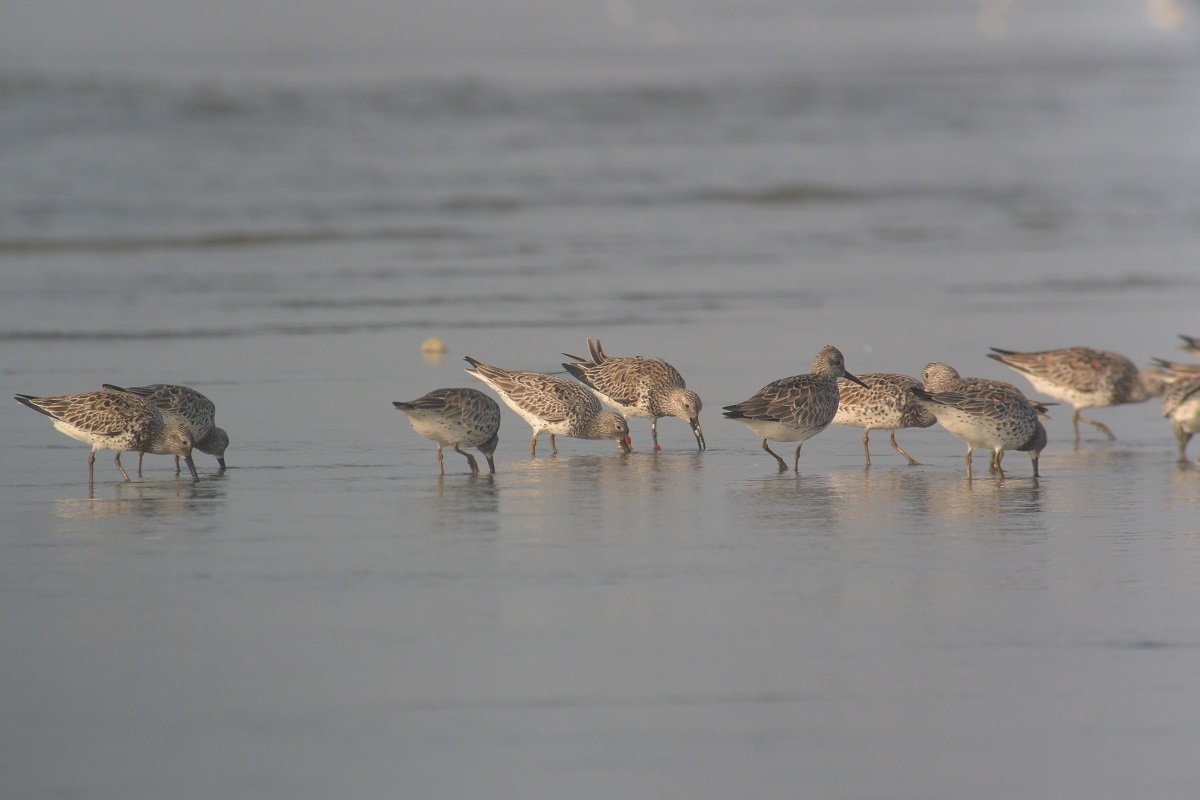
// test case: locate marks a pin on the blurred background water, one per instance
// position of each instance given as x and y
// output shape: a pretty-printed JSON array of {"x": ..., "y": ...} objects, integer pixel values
[{"x": 277, "y": 202}]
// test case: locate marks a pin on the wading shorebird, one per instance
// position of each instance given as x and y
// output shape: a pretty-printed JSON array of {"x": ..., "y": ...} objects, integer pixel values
[
  {"x": 109, "y": 420},
  {"x": 1083, "y": 377},
  {"x": 637, "y": 386},
  {"x": 883, "y": 402},
  {"x": 194, "y": 408},
  {"x": 988, "y": 417},
  {"x": 795, "y": 409},
  {"x": 553, "y": 405},
  {"x": 457, "y": 418}
]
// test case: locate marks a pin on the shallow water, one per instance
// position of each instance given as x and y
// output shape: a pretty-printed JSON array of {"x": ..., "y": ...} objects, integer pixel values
[{"x": 330, "y": 617}]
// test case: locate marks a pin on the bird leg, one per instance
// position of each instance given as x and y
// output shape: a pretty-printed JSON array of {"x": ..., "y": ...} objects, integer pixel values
[
  {"x": 470, "y": 458},
  {"x": 1100, "y": 426},
  {"x": 654, "y": 433},
  {"x": 782, "y": 463},
  {"x": 1184, "y": 437},
  {"x": 866, "y": 449},
  {"x": 553, "y": 446},
  {"x": 441, "y": 467},
  {"x": 897, "y": 448},
  {"x": 796, "y": 462},
  {"x": 117, "y": 461}
]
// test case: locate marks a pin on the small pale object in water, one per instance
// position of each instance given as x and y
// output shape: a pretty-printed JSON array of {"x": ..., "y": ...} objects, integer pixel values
[{"x": 433, "y": 346}]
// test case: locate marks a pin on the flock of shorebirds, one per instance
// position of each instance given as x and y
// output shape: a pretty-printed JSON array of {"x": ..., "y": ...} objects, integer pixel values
[{"x": 984, "y": 413}]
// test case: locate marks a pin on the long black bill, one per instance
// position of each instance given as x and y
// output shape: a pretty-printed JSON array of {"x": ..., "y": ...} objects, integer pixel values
[
  {"x": 191, "y": 465},
  {"x": 699, "y": 434}
]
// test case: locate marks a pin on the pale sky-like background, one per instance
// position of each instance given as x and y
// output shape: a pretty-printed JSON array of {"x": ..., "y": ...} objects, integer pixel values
[{"x": 603, "y": 37}]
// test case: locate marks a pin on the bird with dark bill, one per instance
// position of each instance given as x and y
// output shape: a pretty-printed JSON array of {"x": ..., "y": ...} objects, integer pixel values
[
  {"x": 637, "y": 386},
  {"x": 120, "y": 421},
  {"x": 795, "y": 409},
  {"x": 193, "y": 408}
]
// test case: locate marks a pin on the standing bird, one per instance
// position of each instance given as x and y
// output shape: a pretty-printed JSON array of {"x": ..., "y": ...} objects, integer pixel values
[
  {"x": 639, "y": 387},
  {"x": 194, "y": 408},
  {"x": 988, "y": 417},
  {"x": 1083, "y": 377},
  {"x": 1181, "y": 406},
  {"x": 116, "y": 421},
  {"x": 553, "y": 405},
  {"x": 882, "y": 401},
  {"x": 459, "y": 418},
  {"x": 795, "y": 409}
]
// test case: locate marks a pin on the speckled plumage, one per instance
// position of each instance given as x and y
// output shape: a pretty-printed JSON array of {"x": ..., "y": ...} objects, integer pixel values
[
  {"x": 552, "y": 405},
  {"x": 795, "y": 409},
  {"x": 1083, "y": 377},
  {"x": 990, "y": 417},
  {"x": 109, "y": 420},
  {"x": 637, "y": 386},
  {"x": 884, "y": 403},
  {"x": 1181, "y": 407},
  {"x": 194, "y": 408},
  {"x": 459, "y": 418},
  {"x": 941, "y": 377}
]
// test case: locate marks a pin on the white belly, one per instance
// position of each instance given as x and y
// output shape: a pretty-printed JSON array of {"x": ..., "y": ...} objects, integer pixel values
[{"x": 782, "y": 431}]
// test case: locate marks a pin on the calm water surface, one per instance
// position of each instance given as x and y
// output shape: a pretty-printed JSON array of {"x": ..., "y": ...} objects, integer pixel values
[{"x": 281, "y": 228}]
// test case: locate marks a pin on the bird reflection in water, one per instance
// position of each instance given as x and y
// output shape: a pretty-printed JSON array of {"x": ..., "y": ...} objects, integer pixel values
[{"x": 147, "y": 506}]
